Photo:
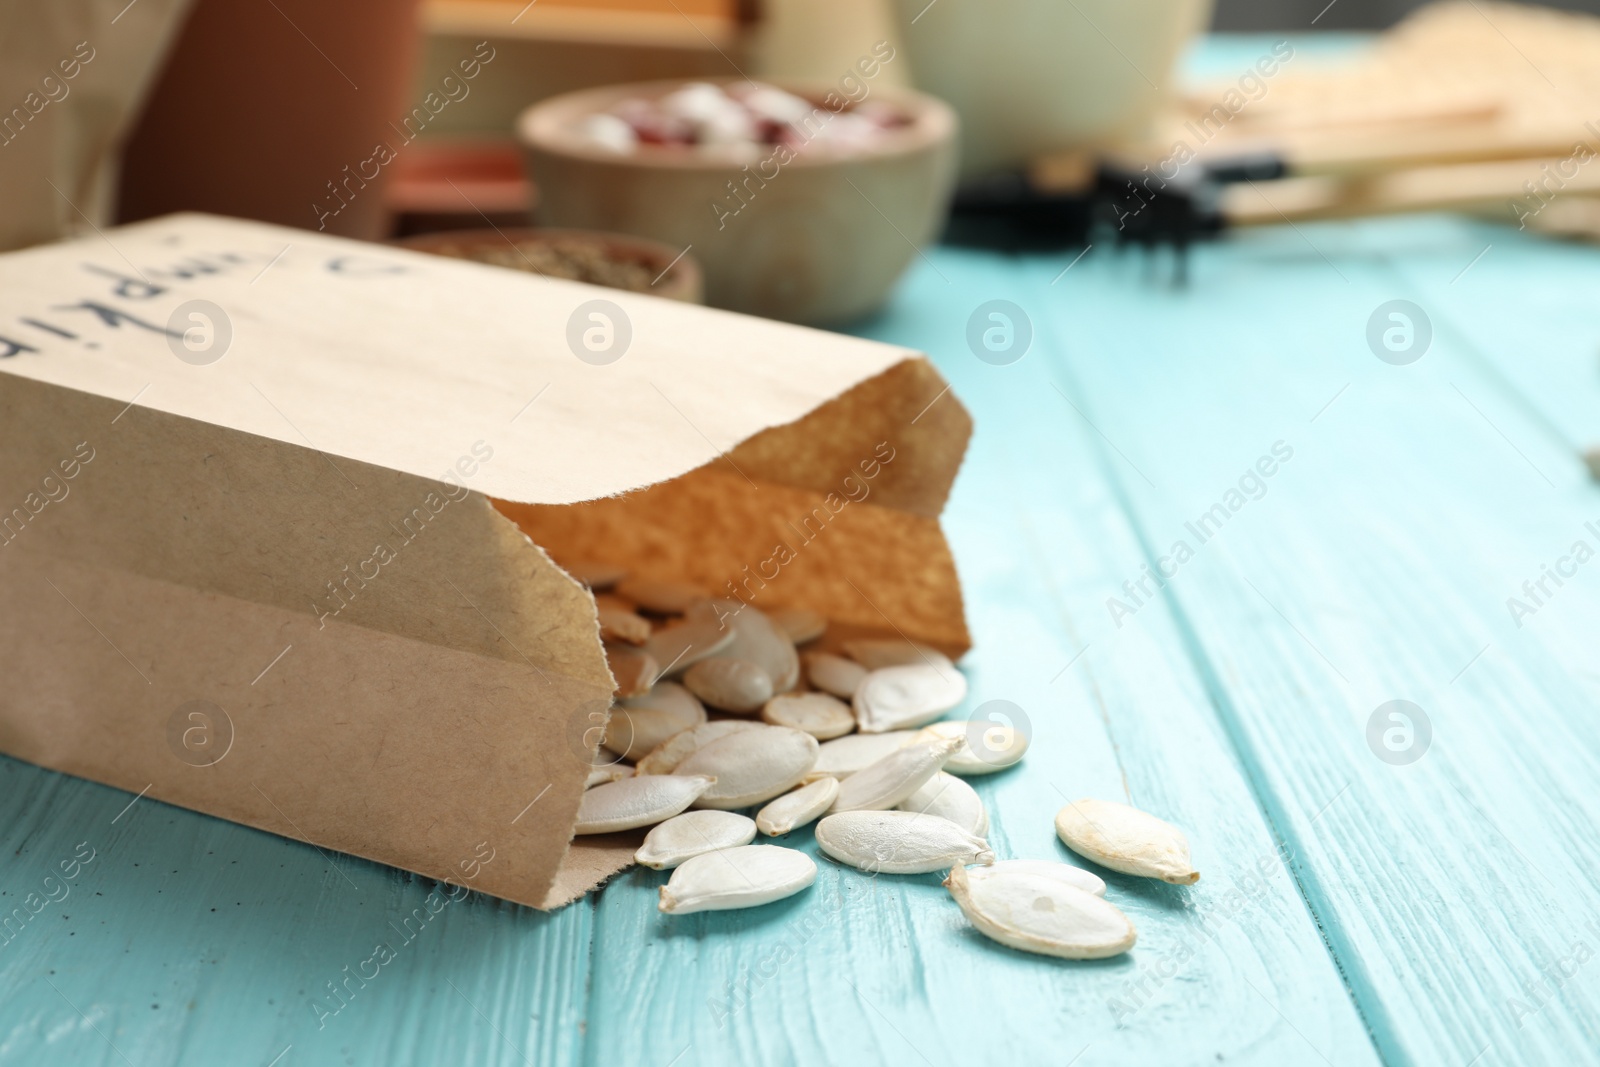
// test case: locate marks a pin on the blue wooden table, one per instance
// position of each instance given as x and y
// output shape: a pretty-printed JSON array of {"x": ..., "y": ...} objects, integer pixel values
[{"x": 1415, "y": 890}]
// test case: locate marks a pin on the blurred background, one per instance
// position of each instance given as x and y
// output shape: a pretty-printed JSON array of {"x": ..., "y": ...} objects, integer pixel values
[{"x": 747, "y": 152}]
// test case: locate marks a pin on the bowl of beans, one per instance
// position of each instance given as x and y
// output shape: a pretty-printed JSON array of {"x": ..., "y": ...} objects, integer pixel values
[{"x": 800, "y": 203}]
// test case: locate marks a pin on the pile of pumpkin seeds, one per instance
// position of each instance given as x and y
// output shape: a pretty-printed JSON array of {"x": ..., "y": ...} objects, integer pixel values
[{"x": 722, "y": 709}]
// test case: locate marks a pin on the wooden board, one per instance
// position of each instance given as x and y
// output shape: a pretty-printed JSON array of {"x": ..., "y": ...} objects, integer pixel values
[{"x": 1420, "y": 906}]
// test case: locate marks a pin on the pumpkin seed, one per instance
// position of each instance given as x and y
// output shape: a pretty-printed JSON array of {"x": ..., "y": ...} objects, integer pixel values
[
  {"x": 597, "y": 576},
  {"x": 741, "y": 877},
  {"x": 752, "y": 766},
  {"x": 683, "y": 644},
  {"x": 834, "y": 674},
  {"x": 634, "y": 802},
  {"x": 797, "y": 808},
  {"x": 1076, "y": 877},
  {"x": 613, "y": 772},
  {"x": 896, "y": 698},
  {"x": 987, "y": 746},
  {"x": 898, "y": 842},
  {"x": 756, "y": 639},
  {"x": 1036, "y": 913},
  {"x": 801, "y": 624},
  {"x": 844, "y": 756},
  {"x": 641, "y": 724},
  {"x": 949, "y": 797},
  {"x": 875, "y": 654},
  {"x": 818, "y": 714},
  {"x": 620, "y": 624},
  {"x": 894, "y": 777},
  {"x": 1127, "y": 840},
  {"x": 634, "y": 670},
  {"x": 676, "y": 749},
  {"x": 729, "y": 684},
  {"x": 692, "y": 834},
  {"x": 661, "y": 598}
]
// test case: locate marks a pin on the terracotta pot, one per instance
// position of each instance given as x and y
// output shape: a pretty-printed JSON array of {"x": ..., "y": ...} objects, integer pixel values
[
  {"x": 820, "y": 239},
  {"x": 263, "y": 108},
  {"x": 681, "y": 282}
]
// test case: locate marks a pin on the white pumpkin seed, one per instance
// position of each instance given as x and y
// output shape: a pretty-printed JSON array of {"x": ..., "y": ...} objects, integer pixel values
[
  {"x": 844, "y": 756},
  {"x": 834, "y": 674},
  {"x": 740, "y": 877},
  {"x": 619, "y": 623},
  {"x": 896, "y": 698},
  {"x": 1076, "y": 877},
  {"x": 1127, "y": 840},
  {"x": 797, "y": 808},
  {"x": 875, "y": 654},
  {"x": 634, "y": 802},
  {"x": 729, "y": 684},
  {"x": 634, "y": 669},
  {"x": 692, "y": 834},
  {"x": 756, "y": 639},
  {"x": 818, "y": 714},
  {"x": 662, "y": 598},
  {"x": 752, "y": 766},
  {"x": 1036, "y": 913},
  {"x": 894, "y": 777},
  {"x": 683, "y": 644},
  {"x": 641, "y": 724},
  {"x": 597, "y": 576},
  {"x": 949, "y": 797},
  {"x": 801, "y": 624},
  {"x": 614, "y": 772},
  {"x": 989, "y": 746},
  {"x": 898, "y": 842},
  {"x": 676, "y": 749}
]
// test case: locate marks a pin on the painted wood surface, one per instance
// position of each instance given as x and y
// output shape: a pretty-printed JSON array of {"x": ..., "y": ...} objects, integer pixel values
[{"x": 1352, "y": 910}]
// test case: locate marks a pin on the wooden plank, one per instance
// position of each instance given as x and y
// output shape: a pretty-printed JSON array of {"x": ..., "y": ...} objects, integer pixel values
[
  {"x": 886, "y": 970},
  {"x": 1375, "y": 566},
  {"x": 189, "y": 940}
]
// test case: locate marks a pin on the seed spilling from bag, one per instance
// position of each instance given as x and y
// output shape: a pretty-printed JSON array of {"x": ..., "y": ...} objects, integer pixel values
[
  {"x": 1076, "y": 877},
  {"x": 618, "y": 623},
  {"x": 692, "y": 834},
  {"x": 1127, "y": 840},
  {"x": 634, "y": 670},
  {"x": 801, "y": 624},
  {"x": 752, "y": 766},
  {"x": 949, "y": 797},
  {"x": 834, "y": 674},
  {"x": 875, "y": 654},
  {"x": 898, "y": 842},
  {"x": 818, "y": 714},
  {"x": 844, "y": 756},
  {"x": 683, "y": 644},
  {"x": 990, "y": 746},
  {"x": 614, "y": 772},
  {"x": 756, "y": 639},
  {"x": 797, "y": 808},
  {"x": 1040, "y": 914},
  {"x": 676, "y": 749},
  {"x": 740, "y": 877},
  {"x": 894, "y": 777},
  {"x": 897, "y": 698},
  {"x": 662, "y": 598},
  {"x": 729, "y": 684},
  {"x": 635, "y": 802},
  {"x": 641, "y": 724}
]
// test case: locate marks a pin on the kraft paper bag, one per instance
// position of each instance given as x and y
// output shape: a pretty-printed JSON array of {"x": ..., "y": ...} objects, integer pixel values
[{"x": 281, "y": 519}]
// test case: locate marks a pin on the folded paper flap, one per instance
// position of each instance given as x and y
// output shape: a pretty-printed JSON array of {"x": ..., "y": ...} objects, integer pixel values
[{"x": 403, "y": 360}]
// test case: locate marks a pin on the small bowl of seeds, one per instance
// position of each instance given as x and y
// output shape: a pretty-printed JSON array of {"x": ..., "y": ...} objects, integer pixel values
[{"x": 615, "y": 261}]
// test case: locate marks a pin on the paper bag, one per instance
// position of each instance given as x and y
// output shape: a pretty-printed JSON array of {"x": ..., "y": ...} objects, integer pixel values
[{"x": 280, "y": 517}]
